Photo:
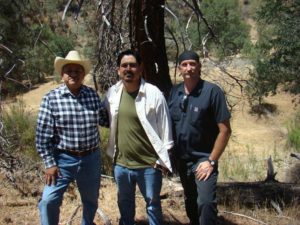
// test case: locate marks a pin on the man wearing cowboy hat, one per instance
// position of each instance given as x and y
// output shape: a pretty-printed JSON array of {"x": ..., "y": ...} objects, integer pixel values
[{"x": 67, "y": 139}]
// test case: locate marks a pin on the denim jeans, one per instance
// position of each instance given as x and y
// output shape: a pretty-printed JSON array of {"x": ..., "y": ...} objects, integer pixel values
[
  {"x": 86, "y": 172},
  {"x": 200, "y": 196},
  {"x": 149, "y": 181}
]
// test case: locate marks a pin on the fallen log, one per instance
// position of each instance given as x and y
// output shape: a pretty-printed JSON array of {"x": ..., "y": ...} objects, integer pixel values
[
  {"x": 267, "y": 193},
  {"x": 258, "y": 194},
  {"x": 249, "y": 194}
]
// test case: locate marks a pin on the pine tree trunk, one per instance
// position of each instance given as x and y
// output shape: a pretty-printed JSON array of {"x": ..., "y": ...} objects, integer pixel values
[{"x": 147, "y": 32}]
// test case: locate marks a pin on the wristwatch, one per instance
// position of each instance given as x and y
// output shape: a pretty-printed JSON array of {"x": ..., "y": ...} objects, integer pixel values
[{"x": 212, "y": 162}]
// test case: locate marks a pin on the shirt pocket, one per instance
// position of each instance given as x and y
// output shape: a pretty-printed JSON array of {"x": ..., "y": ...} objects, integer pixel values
[
  {"x": 197, "y": 115},
  {"x": 175, "y": 113}
]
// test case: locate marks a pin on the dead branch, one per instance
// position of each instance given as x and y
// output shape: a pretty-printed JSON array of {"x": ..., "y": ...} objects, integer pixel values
[
  {"x": 238, "y": 81},
  {"x": 177, "y": 50},
  {"x": 297, "y": 156},
  {"x": 46, "y": 45},
  {"x": 65, "y": 10},
  {"x": 270, "y": 171},
  {"x": 147, "y": 31},
  {"x": 38, "y": 37},
  {"x": 106, "y": 176},
  {"x": 18, "y": 204},
  {"x": 177, "y": 21},
  {"x": 289, "y": 218},
  {"x": 80, "y": 2},
  {"x": 276, "y": 207},
  {"x": 6, "y": 48},
  {"x": 244, "y": 216},
  {"x": 73, "y": 215},
  {"x": 199, "y": 14},
  {"x": 104, "y": 217},
  {"x": 186, "y": 30}
]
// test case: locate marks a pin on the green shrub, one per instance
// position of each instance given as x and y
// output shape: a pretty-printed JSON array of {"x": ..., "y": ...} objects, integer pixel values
[
  {"x": 294, "y": 133},
  {"x": 19, "y": 127}
]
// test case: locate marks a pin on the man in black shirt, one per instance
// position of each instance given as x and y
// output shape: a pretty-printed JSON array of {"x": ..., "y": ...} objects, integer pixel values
[{"x": 201, "y": 128}]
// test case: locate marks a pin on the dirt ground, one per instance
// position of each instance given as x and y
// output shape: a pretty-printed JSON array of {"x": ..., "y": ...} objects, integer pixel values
[{"x": 262, "y": 135}]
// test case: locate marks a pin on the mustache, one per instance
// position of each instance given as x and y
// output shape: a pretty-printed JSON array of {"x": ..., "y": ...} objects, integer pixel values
[{"x": 129, "y": 73}]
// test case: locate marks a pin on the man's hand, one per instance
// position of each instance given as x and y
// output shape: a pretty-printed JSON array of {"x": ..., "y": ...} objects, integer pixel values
[
  {"x": 51, "y": 174},
  {"x": 204, "y": 170}
]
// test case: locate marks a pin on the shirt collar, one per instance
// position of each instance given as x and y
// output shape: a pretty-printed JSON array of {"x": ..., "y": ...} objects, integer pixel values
[
  {"x": 197, "y": 90},
  {"x": 142, "y": 88},
  {"x": 64, "y": 90}
]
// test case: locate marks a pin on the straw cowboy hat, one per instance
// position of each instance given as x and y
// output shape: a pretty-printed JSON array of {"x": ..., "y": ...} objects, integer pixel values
[{"x": 73, "y": 57}]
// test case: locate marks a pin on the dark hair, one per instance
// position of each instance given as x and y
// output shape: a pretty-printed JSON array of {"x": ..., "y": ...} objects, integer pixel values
[{"x": 135, "y": 54}]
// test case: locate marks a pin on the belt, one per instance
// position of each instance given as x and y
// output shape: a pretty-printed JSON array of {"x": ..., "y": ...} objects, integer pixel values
[{"x": 78, "y": 153}]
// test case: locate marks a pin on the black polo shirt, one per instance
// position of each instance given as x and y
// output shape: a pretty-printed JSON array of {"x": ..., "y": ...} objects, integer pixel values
[{"x": 195, "y": 119}]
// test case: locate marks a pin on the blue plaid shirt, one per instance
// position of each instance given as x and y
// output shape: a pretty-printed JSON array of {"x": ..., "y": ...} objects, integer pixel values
[{"x": 69, "y": 122}]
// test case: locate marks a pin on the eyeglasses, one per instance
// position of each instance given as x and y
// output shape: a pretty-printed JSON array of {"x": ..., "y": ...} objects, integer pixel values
[
  {"x": 131, "y": 65},
  {"x": 73, "y": 72},
  {"x": 184, "y": 103}
]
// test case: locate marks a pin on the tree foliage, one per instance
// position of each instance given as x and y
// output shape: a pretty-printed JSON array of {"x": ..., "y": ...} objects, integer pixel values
[
  {"x": 214, "y": 27},
  {"x": 28, "y": 44},
  {"x": 277, "y": 56},
  {"x": 225, "y": 19}
]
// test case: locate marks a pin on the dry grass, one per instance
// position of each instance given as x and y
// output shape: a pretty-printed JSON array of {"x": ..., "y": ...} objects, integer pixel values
[{"x": 16, "y": 210}]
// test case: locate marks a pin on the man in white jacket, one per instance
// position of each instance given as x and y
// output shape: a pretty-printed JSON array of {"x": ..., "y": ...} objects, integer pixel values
[{"x": 140, "y": 138}]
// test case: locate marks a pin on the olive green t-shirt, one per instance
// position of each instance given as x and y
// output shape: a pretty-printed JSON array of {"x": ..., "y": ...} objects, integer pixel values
[{"x": 134, "y": 149}]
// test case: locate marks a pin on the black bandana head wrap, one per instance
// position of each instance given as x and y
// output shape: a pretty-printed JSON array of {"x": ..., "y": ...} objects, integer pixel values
[{"x": 188, "y": 55}]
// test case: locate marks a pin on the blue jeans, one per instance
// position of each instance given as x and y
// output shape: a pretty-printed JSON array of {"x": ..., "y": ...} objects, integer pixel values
[
  {"x": 86, "y": 172},
  {"x": 149, "y": 181},
  {"x": 200, "y": 196}
]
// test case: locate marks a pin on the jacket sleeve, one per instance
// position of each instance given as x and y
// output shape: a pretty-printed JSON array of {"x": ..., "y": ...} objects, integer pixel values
[{"x": 164, "y": 122}]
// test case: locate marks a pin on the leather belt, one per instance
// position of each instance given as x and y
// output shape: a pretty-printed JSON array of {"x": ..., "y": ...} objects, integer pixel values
[{"x": 78, "y": 153}]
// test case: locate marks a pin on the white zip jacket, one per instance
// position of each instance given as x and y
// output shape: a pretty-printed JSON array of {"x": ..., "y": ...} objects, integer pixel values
[{"x": 153, "y": 113}]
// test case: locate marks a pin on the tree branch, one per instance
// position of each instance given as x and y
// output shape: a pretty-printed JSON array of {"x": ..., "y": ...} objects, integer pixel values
[{"x": 242, "y": 215}]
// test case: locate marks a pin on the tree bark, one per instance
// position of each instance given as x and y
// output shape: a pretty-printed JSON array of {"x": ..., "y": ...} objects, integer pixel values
[{"x": 147, "y": 21}]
